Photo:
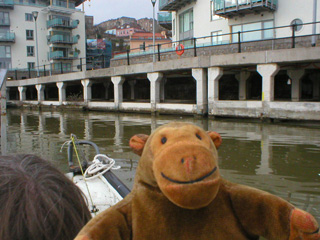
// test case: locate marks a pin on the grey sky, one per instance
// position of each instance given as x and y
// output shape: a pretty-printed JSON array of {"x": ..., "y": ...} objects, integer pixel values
[{"x": 109, "y": 9}]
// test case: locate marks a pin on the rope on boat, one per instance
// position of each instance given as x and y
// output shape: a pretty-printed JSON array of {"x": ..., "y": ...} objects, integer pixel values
[
  {"x": 100, "y": 165},
  {"x": 94, "y": 209}
]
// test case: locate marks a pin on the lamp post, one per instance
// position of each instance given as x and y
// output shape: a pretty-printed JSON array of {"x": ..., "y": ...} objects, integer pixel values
[
  {"x": 35, "y": 16},
  {"x": 153, "y": 31}
]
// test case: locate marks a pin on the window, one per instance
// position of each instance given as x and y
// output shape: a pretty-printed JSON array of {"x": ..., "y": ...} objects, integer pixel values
[
  {"x": 186, "y": 24},
  {"x": 29, "y": 17},
  {"x": 255, "y": 31},
  {"x": 4, "y": 18},
  {"x": 5, "y": 65},
  {"x": 213, "y": 15},
  {"x": 31, "y": 65},
  {"x": 29, "y": 34},
  {"x": 216, "y": 37},
  {"x": 297, "y": 24},
  {"x": 30, "y": 51},
  {"x": 5, "y": 52},
  {"x": 32, "y": 1},
  {"x": 186, "y": 21}
]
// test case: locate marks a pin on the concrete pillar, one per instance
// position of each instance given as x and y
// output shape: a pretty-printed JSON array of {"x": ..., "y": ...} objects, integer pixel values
[
  {"x": 315, "y": 78},
  {"x": 295, "y": 75},
  {"x": 87, "y": 93},
  {"x": 40, "y": 90},
  {"x": 118, "y": 90},
  {"x": 214, "y": 74},
  {"x": 132, "y": 84},
  {"x": 242, "y": 77},
  {"x": 62, "y": 92},
  {"x": 22, "y": 93},
  {"x": 155, "y": 79},
  {"x": 268, "y": 72},
  {"x": 106, "y": 87},
  {"x": 200, "y": 75}
]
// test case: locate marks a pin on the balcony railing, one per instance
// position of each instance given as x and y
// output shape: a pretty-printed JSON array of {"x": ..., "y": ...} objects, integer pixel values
[
  {"x": 7, "y": 3},
  {"x": 61, "y": 55},
  {"x": 63, "y": 4},
  {"x": 173, "y": 5},
  {"x": 165, "y": 20},
  {"x": 60, "y": 23},
  {"x": 62, "y": 39},
  {"x": 230, "y": 8},
  {"x": 7, "y": 37}
]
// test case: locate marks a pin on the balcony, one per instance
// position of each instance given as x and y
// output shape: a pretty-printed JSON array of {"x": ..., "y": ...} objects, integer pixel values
[
  {"x": 7, "y": 37},
  {"x": 61, "y": 23},
  {"x": 173, "y": 5},
  {"x": 62, "y": 39},
  {"x": 7, "y": 4},
  {"x": 62, "y": 55},
  {"x": 165, "y": 20},
  {"x": 231, "y": 8}
]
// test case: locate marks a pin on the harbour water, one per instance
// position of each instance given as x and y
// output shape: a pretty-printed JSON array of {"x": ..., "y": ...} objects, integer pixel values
[{"x": 281, "y": 158}]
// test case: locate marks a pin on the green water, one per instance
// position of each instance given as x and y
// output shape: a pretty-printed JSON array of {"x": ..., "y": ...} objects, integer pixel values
[{"x": 282, "y": 158}]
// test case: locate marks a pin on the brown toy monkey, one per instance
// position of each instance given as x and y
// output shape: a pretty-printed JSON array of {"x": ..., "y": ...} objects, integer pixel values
[{"x": 178, "y": 194}]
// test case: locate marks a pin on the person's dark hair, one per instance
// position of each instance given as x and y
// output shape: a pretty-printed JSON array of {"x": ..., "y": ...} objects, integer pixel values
[{"x": 37, "y": 201}]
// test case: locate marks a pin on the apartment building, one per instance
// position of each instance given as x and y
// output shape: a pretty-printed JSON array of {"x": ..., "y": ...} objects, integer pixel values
[
  {"x": 48, "y": 33},
  {"x": 198, "y": 18}
]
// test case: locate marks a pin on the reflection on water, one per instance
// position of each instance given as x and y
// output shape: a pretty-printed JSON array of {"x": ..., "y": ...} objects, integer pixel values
[{"x": 279, "y": 158}]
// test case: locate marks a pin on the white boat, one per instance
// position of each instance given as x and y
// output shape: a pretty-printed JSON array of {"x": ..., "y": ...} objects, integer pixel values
[{"x": 96, "y": 180}]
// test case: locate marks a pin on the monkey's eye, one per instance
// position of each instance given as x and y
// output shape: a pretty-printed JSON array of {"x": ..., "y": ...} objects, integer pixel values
[
  {"x": 198, "y": 136},
  {"x": 163, "y": 140}
]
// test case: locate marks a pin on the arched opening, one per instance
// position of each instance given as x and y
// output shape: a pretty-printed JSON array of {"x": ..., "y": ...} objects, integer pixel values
[
  {"x": 13, "y": 93},
  {"x": 51, "y": 92},
  {"x": 254, "y": 87},
  {"x": 31, "y": 93},
  {"x": 181, "y": 90},
  {"x": 228, "y": 87},
  {"x": 74, "y": 92},
  {"x": 282, "y": 87},
  {"x": 306, "y": 88}
]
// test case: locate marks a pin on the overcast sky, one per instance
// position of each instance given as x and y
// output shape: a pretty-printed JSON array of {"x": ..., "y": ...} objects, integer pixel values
[{"x": 103, "y": 10}]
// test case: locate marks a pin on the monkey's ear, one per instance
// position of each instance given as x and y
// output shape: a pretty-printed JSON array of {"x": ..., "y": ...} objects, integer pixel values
[
  {"x": 137, "y": 143},
  {"x": 216, "y": 138}
]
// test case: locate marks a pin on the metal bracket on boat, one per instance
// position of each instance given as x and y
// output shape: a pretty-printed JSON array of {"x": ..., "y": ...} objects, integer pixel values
[{"x": 70, "y": 153}]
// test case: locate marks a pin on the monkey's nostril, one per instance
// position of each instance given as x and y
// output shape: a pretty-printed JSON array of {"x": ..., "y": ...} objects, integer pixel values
[{"x": 182, "y": 160}]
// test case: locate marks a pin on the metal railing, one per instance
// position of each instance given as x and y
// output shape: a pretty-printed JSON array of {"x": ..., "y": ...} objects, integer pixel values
[
  {"x": 63, "y": 39},
  {"x": 59, "y": 22},
  {"x": 206, "y": 45},
  {"x": 7, "y": 37},
  {"x": 223, "y": 4},
  {"x": 8, "y": 3},
  {"x": 62, "y": 55}
]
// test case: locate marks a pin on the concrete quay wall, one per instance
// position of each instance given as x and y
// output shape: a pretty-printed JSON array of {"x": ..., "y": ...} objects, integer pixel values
[{"x": 206, "y": 72}]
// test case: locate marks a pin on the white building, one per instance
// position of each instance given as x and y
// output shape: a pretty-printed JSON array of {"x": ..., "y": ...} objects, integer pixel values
[
  {"x": 199, "y": 18},
  {"x": 56, "y": 39}
]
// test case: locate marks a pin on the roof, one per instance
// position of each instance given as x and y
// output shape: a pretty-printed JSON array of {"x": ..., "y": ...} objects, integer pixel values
[{"x": 78, "y": 2}]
